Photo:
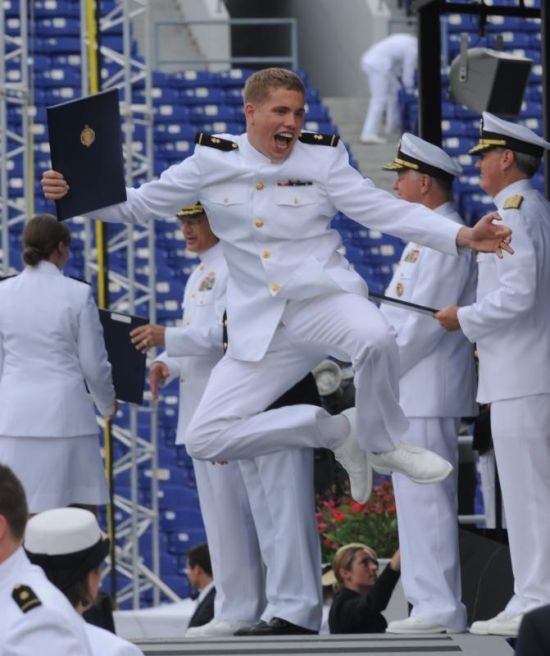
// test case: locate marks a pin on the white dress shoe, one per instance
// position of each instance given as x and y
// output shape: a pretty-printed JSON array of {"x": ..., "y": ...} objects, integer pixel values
[
  {"x": 420, "y": 465},
  {"x": 354, "y": 460},
  {"x": 215, "y": 629},
  {"x": 372, "y": 139},
  {"x": 502, "y": 624},
  {"x": 416, "y": 625}
]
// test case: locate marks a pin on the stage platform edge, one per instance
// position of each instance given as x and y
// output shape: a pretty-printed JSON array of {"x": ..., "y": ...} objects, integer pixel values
[{"x": 463, "y": 644}]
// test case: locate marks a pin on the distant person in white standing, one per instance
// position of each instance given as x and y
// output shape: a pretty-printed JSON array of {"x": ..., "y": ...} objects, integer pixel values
[{"x": 388, "y": 64}]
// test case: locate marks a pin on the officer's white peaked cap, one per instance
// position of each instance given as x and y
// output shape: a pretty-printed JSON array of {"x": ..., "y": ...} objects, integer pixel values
[
  {"x": 419, "y": 155},
  {"x": 495, "y": 132}
]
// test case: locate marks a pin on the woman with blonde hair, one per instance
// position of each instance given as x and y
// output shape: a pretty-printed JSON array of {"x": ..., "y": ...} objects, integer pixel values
[{"x": 361, "y": 595}]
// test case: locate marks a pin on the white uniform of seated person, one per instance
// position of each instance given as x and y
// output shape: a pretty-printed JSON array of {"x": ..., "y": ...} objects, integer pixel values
[
  {"x": 35, "y": 616},
  {"x": 69, "y": 546}
]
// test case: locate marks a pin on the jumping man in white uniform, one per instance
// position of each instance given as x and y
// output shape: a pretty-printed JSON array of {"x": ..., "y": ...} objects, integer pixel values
[{"x": 293, "y": 299}]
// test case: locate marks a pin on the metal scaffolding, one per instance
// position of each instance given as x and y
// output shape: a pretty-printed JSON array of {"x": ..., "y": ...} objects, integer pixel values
[
  {"x": 16, "y": 175},
  {"x": 135, "y": 439},
  {"x": 136, "y": 444}
]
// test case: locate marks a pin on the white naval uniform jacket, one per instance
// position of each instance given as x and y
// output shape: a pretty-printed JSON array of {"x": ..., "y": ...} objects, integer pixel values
[
  {"x": 437, "y": 372},
  {"x": 276, "y": 236},
  {"x": 395, "y": 55},
  {"x": 193, "y": 348},
  {"x": 52, "y": 628},
  {"x": 51, "y": 347},
  {"x": 510, "y": 320}
]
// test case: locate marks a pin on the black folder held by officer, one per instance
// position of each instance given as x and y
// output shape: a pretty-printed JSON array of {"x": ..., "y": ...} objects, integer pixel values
[{"x": 85, "y": 144}]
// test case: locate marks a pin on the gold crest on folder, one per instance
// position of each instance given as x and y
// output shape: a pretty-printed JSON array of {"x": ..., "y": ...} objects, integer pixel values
[{"x": 87, "y": 136}]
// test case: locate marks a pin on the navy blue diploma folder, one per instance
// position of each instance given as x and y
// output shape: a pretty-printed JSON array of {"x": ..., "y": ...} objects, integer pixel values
[
  {"x": 86, "y": 147},
  {"x": 127, "y": 362}
]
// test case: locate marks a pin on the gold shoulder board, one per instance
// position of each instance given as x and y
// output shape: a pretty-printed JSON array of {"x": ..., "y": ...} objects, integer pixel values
[
  {"x": 316, "y": 138},
  {"x": 514, "y": 202},
  {"x": 25, "y": 598},
  {"x": 204, "y": 139}
]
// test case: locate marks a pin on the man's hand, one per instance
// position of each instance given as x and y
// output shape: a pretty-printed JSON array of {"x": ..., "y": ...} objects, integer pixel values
[
  {"x": 158, "y": 373},
  {"x": 109, "y": 418},
  {"x": 145, "y": 337},
  {"x": 486, "y": 236},
  {"x": 448, "y": 317},
  {"x": 54, "y": 185}
]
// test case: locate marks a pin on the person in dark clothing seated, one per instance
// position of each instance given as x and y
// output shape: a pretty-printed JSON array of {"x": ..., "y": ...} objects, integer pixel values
[{"x": 361, "y": 595}]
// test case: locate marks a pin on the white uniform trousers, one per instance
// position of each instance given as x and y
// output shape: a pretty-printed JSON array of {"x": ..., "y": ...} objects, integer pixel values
[
  {"x": 521, "y": 436},
  {"x": 428, "y": 530},
  {"x": 383, "y": 87},
  {"x": 226, "y": 424},
  {"x": 234, "y": 550},
  {"x": 280, "y": 487}
]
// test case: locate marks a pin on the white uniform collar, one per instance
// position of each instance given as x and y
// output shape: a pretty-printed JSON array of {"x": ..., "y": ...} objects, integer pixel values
[
  {"x": 253, "y": 155},
  {"x": 211, "y": 255},
  {"x": 517, "y": 187},
  {"x": 13, "y": 563},
  {"x": 45, "y": 266},
  {"x": 448, "y": 210}
]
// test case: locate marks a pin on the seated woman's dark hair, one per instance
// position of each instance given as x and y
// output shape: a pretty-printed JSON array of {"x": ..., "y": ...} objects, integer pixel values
[{"x": 41, "y": 237}]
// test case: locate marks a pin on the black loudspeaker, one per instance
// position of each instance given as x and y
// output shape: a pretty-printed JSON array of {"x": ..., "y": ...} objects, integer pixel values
[
  {"x": 487, "y": 579},
  {"x": 489, "y": 80}
]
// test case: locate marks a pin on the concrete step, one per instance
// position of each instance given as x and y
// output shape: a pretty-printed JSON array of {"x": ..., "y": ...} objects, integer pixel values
[{"x": 334, "y": 645}]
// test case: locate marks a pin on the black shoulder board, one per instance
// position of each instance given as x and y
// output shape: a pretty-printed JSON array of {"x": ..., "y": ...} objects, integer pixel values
[
  {"x": 204, "y": 139},
  {"x": 25, "y": 598},
  {"x": 8, "y": 277},
  {"x": 319, "y": 139},
  {"x": 79, "y": 280}
]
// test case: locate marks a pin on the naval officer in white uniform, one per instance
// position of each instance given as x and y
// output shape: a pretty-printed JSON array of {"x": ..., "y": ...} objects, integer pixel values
[
  {"x": 437, "y": 387},
  {"x": 292, "y": 298},
  {"x": 279, "y": 485},
  {"x": 51, "y": 350},
  {"x": 36, "y": 617},
  {"x": 191, "y": 351},
  {"x": 510, "y": 323}
]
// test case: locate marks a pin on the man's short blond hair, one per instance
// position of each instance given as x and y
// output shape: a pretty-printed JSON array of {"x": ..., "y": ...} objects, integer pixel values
[{"x": 260, "y": 84}]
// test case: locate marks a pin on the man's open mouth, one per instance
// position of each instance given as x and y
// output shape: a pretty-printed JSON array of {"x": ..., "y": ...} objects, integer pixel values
[{"x": 284, "y": 138}]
